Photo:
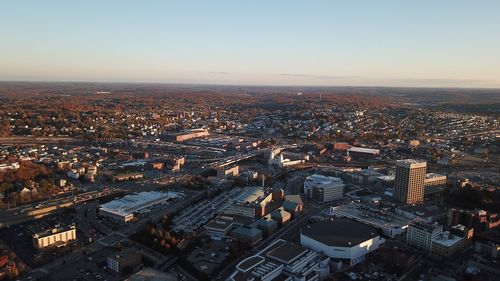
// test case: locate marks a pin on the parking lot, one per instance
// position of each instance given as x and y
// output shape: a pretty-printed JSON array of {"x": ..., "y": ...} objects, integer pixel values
[
  {"x": 90, "y": 267},
  {"x": 192, "y": 218},
  {"x": 19, "y": 239}
]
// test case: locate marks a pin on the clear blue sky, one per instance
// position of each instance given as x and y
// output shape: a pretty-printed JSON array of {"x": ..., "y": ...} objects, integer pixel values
[{"x": 384, "y": 43}]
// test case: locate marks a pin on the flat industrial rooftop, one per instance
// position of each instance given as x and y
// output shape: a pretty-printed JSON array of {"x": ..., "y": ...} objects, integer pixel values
[{"x": 287, "y": 253}]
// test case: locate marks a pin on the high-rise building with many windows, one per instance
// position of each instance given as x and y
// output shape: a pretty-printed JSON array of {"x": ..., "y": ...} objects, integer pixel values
[{"x": 409, "y": 181}]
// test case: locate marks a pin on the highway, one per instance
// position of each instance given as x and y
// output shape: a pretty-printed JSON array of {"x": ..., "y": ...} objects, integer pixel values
[{"x": 39, "y": 209}]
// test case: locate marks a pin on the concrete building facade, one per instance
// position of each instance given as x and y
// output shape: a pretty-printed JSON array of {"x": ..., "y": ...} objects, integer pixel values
[
  {"x": 126, "y": 258},
  {"x": 434, "y": 185},
  {"x": 409, "y": 181},
  {"x": 421, "y": 234},
  {"x": 324, "y": 189},
  {"x": 56, "y": 236}
]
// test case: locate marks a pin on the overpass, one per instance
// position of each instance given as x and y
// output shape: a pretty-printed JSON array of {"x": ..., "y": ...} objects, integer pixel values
[
  {"x": 24, "y": 213},
  {"x": 221, "y": 163}
]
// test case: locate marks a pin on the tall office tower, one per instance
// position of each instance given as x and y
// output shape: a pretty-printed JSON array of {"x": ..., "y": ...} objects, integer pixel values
[{"x": 409, "y": 181}]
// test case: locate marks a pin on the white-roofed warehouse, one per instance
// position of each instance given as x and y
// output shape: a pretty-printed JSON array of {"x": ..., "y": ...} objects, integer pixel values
[{"x": 123, "y": 209}]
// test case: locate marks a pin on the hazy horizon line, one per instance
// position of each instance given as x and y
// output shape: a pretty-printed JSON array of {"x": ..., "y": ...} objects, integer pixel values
[{"x": 245, "y": 85}]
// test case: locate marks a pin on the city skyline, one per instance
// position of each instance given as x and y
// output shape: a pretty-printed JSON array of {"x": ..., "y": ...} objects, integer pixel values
[
  {"x": 325, "y": 43},
  {"x": 249, "y": 140}
]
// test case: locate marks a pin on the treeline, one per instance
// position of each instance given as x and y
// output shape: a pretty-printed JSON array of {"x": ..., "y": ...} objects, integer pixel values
[
  {"x": 27, "y": 171},
  {"x": 4, "y": 128},
  {"x": 195, "y": 182},
  {"x": 10, "y": 265},
  {"x": 39, "y": 190},
  {"x": 37, "y": 178},
  {"x": 158, "y": 237}
]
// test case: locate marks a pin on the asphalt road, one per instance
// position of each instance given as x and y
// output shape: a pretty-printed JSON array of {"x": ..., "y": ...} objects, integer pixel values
[
  {"x": 95, "y": 246},
  {"x": 38, "y": 209}
]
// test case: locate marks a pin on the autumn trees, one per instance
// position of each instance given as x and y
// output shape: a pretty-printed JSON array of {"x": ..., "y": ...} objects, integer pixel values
[
  {"x": 159, "y": 237},
  {"x": 35, "y": 177}
]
